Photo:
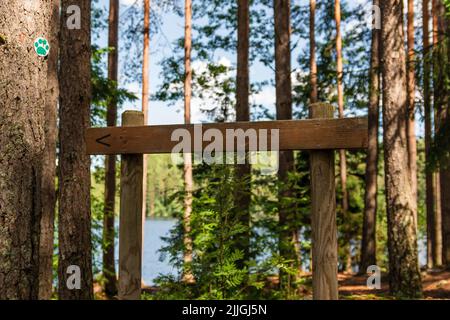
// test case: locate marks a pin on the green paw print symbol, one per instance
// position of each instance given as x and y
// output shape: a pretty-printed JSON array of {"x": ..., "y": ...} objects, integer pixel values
[{"x": 42, "y": 47}]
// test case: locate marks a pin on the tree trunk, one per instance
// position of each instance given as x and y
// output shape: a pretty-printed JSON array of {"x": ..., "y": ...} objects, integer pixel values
[
  {"x": 411, "y": 91},
  {"x": 368, "y": 244},
  {"x": 312, "y": 52},
  {"x": 340, "y": 90},
  {"x": 188, "y": 178},
  {"x": 22, "y": 142},
  {"x": 48, "y": 187},
  {"x": 74, "y": 174},
  {"x": 429, "y": 175},
  {"x": 404, "y": 275},
  {"x": 442, "y": 100},
  {"x": 243, "y": 171},
  {"x": 437, "y": 225},
  {"x": 314, "y": 95},
  {"x": 145, "y": 101},
  {"x": 109, "y": 268},
  {"x": 283, "y": 88},
  {"x": 434, "y": 253}
]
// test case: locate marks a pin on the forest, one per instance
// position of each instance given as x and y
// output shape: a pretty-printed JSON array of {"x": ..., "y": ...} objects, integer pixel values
[{"x": 135, "y": 161}]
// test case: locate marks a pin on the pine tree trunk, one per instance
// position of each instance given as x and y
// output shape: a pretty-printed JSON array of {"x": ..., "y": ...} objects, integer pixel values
[
  {"x": 22, "y": 142},
  {"x": 283, "y": 88},
  {"x": 74, "y": 175},
  {"x": 188, "y": 177},
  {"x": 340, "y": 90},
  {"x": 430, "y": 183},
  {"x": 368, "y": 244},
  {"x": 312, "y": 52},
  {"x": 109, "y": 268},
  {"x": 314, "y": 95},
  {"x": 48, "y": 187},
  {"x": 404, "y": 275},
  {"x": 145, "y": 101},
  {"x": 442, "y": 107},
  {"x": 243, "y": 171},
  {"x": 437, "y": 225},
  {"x": 411, "y": 91}
]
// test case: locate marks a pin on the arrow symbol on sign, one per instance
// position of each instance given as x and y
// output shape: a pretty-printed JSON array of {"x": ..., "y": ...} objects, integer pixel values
[{"x": 99, "y": 140}]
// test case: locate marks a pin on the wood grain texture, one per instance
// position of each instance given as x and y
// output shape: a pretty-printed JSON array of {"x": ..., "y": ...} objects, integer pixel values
[
  {"x": 323, "y": 216},
  {"x": 130, "y": 229},
  {"x": 349, "y": 133}
]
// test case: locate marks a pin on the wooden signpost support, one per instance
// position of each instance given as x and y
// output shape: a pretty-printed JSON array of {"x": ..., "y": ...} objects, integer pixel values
[{"x": 321, "y": 134}]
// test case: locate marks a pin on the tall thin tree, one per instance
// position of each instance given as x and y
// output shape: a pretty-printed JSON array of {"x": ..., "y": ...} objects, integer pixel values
[
  {"x": 312, "y": 52},
  {"x": 243, "y": 171},
  {"x": 368, "y": 244},
  {"x": 23, "y": 82},
  {"x": 48, "y": 188},
  {"x": 404, "y": 275},
  {"x": 109, "y": 270},
  {"x": 74, "y": 219},
  {"x": 188, "y": 176},
  {"x": 441, "y": 101},
  {"x": 342, "y": 153},
  {"x": 283, "y": 89},
  {"x": 434, "y": 250},
  {"x": 145, "y": 97},
  {"x": 411, "y": 91},
  {"x": 437, "y": 178}
]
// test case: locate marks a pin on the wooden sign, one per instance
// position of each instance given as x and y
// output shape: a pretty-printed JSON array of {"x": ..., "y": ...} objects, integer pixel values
[{"x": 314, "y": 134}]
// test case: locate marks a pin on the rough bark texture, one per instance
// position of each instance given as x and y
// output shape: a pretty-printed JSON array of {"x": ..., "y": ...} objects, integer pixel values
[
  {"x": 22, "y": 140},
  {"x": 188, "y": 177},
  {"x": 404, "y": 275},
  {"x": 48, "y": 187},
  {"x": 74, "y": 174},
  {"x": 368, "y": 244},
  {"x": 243, "y": 171},
  {"x": 442, "y": 101},
  {"x": 411, "y": 91},
  {"x": 437, "y": 185},
  {"x": 284, "y": 112},
  {"x": 312, "y": 52},
  {"x": 109, "y": 268}
]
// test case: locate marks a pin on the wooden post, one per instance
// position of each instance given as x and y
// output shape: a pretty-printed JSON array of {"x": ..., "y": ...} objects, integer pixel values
[
  {"x": 130, "y": 229},
  {"x": 323, "y": 216}
]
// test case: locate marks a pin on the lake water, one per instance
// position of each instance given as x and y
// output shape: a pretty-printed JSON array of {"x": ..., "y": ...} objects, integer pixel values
[
  {"x": 152, "y": 266},
  {"x": 157, "y": 228}
]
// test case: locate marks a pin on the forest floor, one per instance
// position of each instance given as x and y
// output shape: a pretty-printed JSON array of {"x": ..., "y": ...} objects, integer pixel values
[{"x": 436, "y": 285}]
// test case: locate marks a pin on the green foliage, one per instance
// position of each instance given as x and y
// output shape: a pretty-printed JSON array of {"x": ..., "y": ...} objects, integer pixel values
[{"x": 104, "y": 90}]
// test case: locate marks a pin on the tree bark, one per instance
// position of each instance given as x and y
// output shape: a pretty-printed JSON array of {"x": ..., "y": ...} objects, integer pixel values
[
  {"x": 243, "y": 171},
  {"x": 188, "y": 177},
  {"x": 442, "y": 101},
  {"x": 283, "y": 88},
  {"x": 368, "y": 244},
  {"x": 411, "y": 91},
  {"x": 109, "y": 268},
  {"x": 404, "y": 275},
  {"x": 48, "y": 187},
  {"x": 145, "y": 100},
  {"x": 74, "y": 174},
  {"x": 340, "y": 91},
  {"x": 437, "y": 185},
  {"x": 312, "y": 52},
  {"x": 22, "y": 142}
]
